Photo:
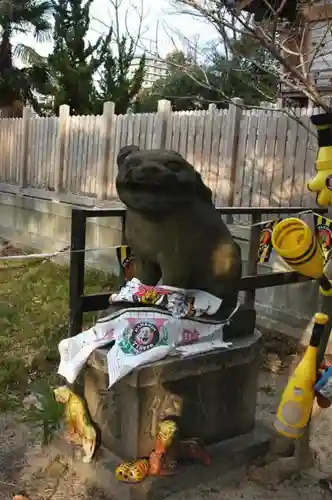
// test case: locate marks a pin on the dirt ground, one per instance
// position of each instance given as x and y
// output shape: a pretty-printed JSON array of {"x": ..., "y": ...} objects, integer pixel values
[{"x": 45, "y": 475}]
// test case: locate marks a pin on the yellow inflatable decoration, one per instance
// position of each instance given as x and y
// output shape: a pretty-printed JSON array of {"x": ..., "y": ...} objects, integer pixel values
[
  {"x": 322, "y": 182},
  {"x": 294, "y": 241}
]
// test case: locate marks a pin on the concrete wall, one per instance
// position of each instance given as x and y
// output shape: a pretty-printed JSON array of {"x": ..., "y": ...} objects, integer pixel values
[{"x": 45, "y": 225}]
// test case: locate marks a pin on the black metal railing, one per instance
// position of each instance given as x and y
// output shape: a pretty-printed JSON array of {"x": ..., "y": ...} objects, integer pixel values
[{"x": 80, "y": 303}]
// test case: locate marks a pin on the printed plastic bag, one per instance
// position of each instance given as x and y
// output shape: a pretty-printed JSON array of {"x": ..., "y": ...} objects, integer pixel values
[
  {"x": 146, "y": 335},
  {"x": 74, "y": 351}
]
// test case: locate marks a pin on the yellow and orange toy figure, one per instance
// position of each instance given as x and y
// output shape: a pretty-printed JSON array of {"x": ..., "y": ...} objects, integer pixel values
[
  {"x": 164, "y": 458},
  {"x": 79, "y": 426},
  {"x": 322, "y": 182},
  {"x": 133, "y": 472},
  {"x": 160, "y": 461}
]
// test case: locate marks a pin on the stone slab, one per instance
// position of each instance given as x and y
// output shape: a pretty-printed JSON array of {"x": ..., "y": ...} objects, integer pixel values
[{"x": 226, "y": 456}]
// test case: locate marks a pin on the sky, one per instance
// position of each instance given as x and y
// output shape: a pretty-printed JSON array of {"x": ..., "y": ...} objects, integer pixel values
[{"x": 161, "y": 22}]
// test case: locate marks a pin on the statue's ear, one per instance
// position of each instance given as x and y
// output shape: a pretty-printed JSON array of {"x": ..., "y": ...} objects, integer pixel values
[
  {"x": 124, "y": 152},
  {"x": 175, "y": 153}
]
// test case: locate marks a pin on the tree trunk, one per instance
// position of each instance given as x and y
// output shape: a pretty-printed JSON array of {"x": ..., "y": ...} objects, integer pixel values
[
  {"x": 14, "y": 110},
  {"x": 6, "y": 53},
  {"x": 10, "y": 104}
]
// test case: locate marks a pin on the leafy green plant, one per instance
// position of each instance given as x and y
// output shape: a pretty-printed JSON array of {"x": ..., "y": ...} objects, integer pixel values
[{"x": 45, "y": 411}]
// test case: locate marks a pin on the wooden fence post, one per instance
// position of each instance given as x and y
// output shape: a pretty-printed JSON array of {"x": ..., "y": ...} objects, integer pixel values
[
  {"x": 279, "y": 103},
  {"x": 102, "y": 169},
  {"x": 212, "y": 108},
  {"x": 159, "y": 137},
  {"x": 59, "y": 166},
  {"x": 234, "y": 119},
  {"x": 25, "y": 148}
]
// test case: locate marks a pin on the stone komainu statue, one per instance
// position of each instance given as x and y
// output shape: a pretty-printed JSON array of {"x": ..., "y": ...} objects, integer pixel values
[{"x": 172, "y": 226}]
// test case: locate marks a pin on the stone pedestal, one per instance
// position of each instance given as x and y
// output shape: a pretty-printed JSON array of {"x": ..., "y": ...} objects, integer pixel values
[{"x": 213, "y": 394}]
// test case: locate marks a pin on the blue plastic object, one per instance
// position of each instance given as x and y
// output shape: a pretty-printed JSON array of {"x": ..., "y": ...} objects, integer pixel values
[{"x": 324, "y": 384}]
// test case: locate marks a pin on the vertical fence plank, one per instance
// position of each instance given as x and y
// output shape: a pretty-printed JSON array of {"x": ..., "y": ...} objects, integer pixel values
[
  {"x": 288, "y": 165},
  {"x": 137, "y": 128},
  {"x": 235, "y": 112},
  {"x": 161, "y": 124},
  {"x": 124, "y": 132},
  {"x": 191, "y": 137},
  {"x": 141, "y": 139},
  {"x": 207, "y": 145},
  {"x": 298, "y": 184},
  {"x": 151, "y": 121},
  {"x": 279, "y": 158},
  {"x": 32, "y": 152},
  {"x": 25, "y": 145},
  {"x": 117, "y": 140},
  {"x": 142, "y": 130},
  {"x": 268, "y": 167},
  {"x": 95, "y": 154},
  {"x": 59, "y": 169},
  {"x": 259, "y": 162},
  {"x": 214, "y": 158},
  {"x": 241, "y": 159},
  {"x": 7, "y": 152},
  {"x": 250, "y": 161},
  {"x": 11, "y": 149},
  {"x": 222, "y": 181},
  {"x": 130, "y": 134},
  {"x": 86, "y": 124},
  {"x": 199, "y": 138},
  {"x": 308, "y": 198},
  {"x": 176, "y": 130},
  {"x": 3, "y": 173}
]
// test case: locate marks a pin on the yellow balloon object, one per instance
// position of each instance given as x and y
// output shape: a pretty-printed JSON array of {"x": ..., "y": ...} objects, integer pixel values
[
  {"x": 77, "y": 420},
  {"x": 132, "y": 472},
  {"x": 322, "y": 182}
]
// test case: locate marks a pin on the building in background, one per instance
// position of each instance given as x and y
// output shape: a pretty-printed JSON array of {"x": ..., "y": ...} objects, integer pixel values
[
  {"x": 308, "y": 44},
  {"x": 154, "y": 69},
  {"x": 315, "y": 38}
]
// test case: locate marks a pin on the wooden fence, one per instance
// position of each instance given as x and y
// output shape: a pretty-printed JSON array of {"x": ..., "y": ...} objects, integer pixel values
[{"x": 257, "y": 157}]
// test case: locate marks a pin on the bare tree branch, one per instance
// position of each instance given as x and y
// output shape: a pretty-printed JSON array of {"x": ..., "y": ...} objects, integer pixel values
[
  {"x": 269, "y": 39},
  {"x": 120, "y": 22}
]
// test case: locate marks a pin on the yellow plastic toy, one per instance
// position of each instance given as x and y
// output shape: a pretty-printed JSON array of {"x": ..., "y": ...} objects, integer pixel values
[
  {"x": 133, "y": 472},
  {"x": 294, "y": 241},
  {"x": 296, "y": 403},
  {"x": 322, "y": 182},
  {"x": 167, "y": 431},
  {"x": 79, "y": 426}
]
